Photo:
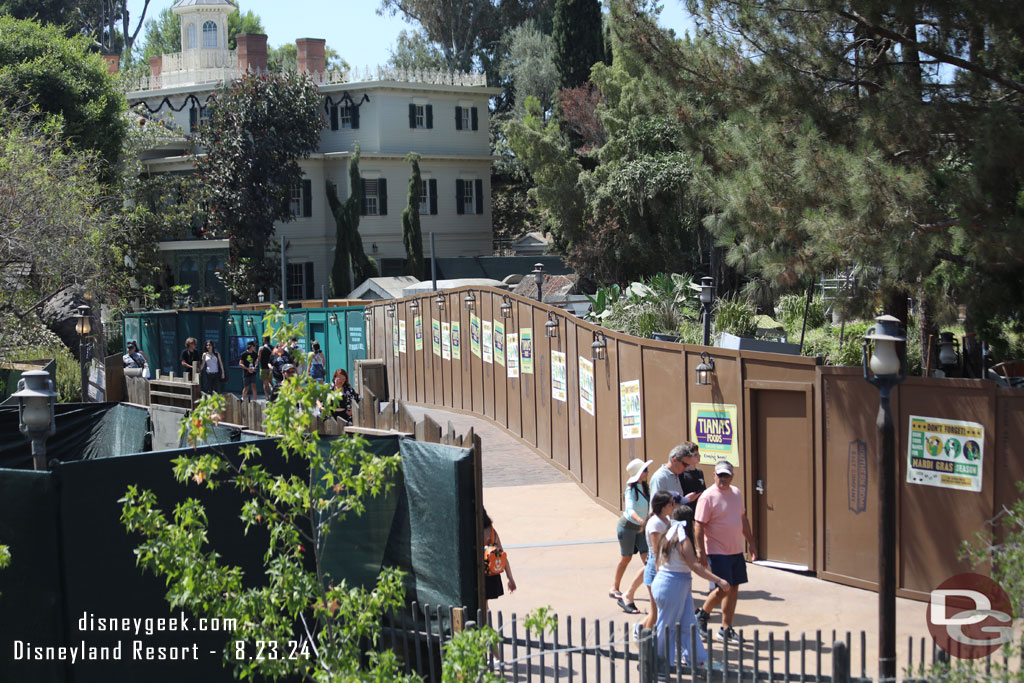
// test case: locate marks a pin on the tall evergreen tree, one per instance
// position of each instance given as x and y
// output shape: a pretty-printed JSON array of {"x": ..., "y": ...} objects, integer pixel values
[
  {"x": 348, "y": 246},
  {"x": 579, "y": 43},
  {"x": 411, "y": 233}
]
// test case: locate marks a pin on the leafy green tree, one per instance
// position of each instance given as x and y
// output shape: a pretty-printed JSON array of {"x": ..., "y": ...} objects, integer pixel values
[
  {"x": 579, "y": 40},
  {"x": 260, "y": 126},
  {"x": 530, "y": 66},
  {"x": 297, "y": 599},
  {"x": 348, "y": 245},
  {"x": 414, "y": 50},
  {"x": 412, "y": 236},
  {"x": 60, "y": 76}
]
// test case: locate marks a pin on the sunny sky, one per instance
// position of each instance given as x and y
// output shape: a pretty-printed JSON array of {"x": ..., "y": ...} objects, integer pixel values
[{"x": 352, "y": 27}]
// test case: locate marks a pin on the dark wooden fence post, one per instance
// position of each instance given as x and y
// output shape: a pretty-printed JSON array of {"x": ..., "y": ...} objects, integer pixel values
[
  {"x": 840, "y": 663},
  {"x": 648, "y": 661}
]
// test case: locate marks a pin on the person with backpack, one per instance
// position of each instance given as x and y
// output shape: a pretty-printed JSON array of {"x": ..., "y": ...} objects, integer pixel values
[
  {"x": 496, "y": 563},
  {"x": 266, "y": 354}
]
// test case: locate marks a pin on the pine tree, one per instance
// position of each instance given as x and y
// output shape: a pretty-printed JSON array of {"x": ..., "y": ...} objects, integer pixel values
[
  {"x": 579, "y": 42},
  {"x": 411, "y": 233},
  {"x": 348, "y": 249}
]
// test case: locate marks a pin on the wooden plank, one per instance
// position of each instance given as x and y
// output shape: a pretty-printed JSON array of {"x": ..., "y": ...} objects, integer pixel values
[
  {"x": 431, "y": 430},
  {"x": 386, "y": 420},
  {"x": 449, "y": 438},
  {"x": 420, "y": 430}
]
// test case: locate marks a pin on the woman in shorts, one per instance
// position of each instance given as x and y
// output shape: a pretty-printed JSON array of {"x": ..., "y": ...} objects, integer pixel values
[{"x": 630, "y": 532}]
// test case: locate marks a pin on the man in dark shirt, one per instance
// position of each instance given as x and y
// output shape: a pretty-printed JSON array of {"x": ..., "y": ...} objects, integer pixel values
[
  {"x": 189, "y": 356},
  {"x": 250, "y": 375},
  {"x": 266, "y": 355}
]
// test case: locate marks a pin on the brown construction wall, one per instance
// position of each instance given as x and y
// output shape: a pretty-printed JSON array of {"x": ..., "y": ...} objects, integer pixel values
[{"x": 805, "y": 435}]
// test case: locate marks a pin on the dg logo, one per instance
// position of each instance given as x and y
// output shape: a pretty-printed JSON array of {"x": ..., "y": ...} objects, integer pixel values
[{"x": 970, "y": 616}]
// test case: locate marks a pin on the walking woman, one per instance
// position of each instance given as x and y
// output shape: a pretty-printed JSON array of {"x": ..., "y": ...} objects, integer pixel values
[
  {"x": 318, "y": 364},
  {"x": 340, "y": 383},
  {"x": 213, "y": 370},
  {"x": 671, "y": 590},
  {"x": 630, "y": 532},
  {"x": 497, "y": 563},
  {"x": 663, "y": 504}
]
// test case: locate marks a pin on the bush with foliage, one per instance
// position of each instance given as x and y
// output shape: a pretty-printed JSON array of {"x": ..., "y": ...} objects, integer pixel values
[
  {"x": 735, "y": 316},
  {"x": 662, "y": 304}
]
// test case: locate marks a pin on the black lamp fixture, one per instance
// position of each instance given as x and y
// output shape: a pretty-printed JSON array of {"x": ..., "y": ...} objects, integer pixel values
[
  {"x": 888, "y": 367},
  {"x": 949, "y": 353},
  {"x": 470, "y": 302},
  {"x": 506, "y": 306},
  {"x": 83, "y": 327},
  {"x": 599, "y": 349},
  {"x": 440, "y": 303},
  {"x": 414, "y": 305},
  {"x": 35, "y": 397},
  {"x": 367, "y": 314},
  {"x": 538, "y": 279},
  {"x": 333, "y": 318},
  {"x": 705, "y": 369},
  {"x": 707, "y": 296},
  {"x": 390, "y": 308},
  {"x": 551, "y": 326}
]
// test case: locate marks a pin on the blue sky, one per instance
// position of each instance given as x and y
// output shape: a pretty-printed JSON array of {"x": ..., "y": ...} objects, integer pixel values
[{"x": 352, "y": 27}]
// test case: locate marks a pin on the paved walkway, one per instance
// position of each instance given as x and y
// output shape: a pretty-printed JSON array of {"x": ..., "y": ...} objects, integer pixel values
[{"x": 562, "y": 550}]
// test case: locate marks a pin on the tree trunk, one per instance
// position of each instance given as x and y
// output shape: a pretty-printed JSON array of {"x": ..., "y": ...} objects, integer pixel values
[{"x": 926, "y": 326}]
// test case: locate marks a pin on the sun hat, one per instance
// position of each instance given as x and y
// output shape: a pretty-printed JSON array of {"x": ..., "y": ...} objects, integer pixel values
[{"x": 635, "y": 468}]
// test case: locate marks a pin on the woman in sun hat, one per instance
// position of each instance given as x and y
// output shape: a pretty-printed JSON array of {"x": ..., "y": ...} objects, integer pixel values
[{"x": 630, "y": 532}]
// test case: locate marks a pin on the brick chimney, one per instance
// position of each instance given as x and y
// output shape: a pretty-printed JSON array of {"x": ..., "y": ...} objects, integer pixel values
[
  {"x": 156, "y": 65},
  {"x": 113, "y": 63},
  {"x": 251, "y": 49},
  {"x": 311, "y": 55}
]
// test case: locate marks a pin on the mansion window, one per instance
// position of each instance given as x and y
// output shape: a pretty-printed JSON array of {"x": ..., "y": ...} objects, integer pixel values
[
  {"x": 375, "y": 197},
  {"x": 190, "y": 37},
  {"x": 428, "y": 197},
  {"x": 466, "y": 118},
  {"x": 421, "y": 115},
  {"x": 300, "y": 281},
  {"x": 344, "y": 116},
  {"x": 197, "y": 118},
  {"x": 469, "y": 196},
  {"x": 301, "y": 199}
]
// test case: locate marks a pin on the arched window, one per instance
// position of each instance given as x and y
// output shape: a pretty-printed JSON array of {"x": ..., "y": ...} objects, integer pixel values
[
  {"x": 209, "y": 34},
  {"x": 190, "y": 37}
]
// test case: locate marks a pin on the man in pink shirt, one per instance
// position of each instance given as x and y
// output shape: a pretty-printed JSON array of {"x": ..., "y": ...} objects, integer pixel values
[{"x": 721, "y": 526}]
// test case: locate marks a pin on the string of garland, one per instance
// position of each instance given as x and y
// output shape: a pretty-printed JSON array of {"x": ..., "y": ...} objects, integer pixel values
[
  {"x": 167, "y": 101},
  {"x": 345, "y": 97}
]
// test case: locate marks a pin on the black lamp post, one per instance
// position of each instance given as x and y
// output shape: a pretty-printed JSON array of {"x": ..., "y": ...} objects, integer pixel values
[
  {"x": 538, "y": 279},
  {"x": 260, "y": 295},
  {"x": 949, "y": 353},
  {"x": 83, "y": 327},
  {"x": 887, "y": 366},
  {"x": 35, "y": 396},
  {"x": 707, "y": 295}
]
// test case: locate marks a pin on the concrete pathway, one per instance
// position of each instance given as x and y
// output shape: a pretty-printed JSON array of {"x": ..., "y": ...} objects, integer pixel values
[{"x": 562, "y": 550}]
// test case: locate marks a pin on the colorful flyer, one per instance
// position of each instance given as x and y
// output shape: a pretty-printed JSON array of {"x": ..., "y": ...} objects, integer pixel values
[
  {"x": 435, "y": 336},
  {"x": 499, "y": 343},
  {"x": 446, "y": 341},
  {"x": 394, "y": 338},
  {"x": 417, "y": 325},
  {"x": 456, "y": 341},
  {"x": 401, "y": 336},
  {"x": 713, "y": 427},
  {"x": 559, "y": 377},
  {"x": 474, "y": 335},
  {"x": 587, "y": 385},
  {"x": 526, "y": 350},
  {"x": 488, "y": 343},
  {"x": 945, "y": 453},
  {"x": 512, "y": 350},
  {"x": 629, "y": 399}
]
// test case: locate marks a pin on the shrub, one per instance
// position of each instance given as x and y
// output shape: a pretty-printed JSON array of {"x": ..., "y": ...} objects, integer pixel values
[
  {"x": 735, "y": 316},
  {"x": 789, "y": 311}
]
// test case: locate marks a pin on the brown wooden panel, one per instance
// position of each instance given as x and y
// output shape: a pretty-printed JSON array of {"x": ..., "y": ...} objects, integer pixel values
[
  {"x": 476, "y": 362},
  {"x": 418, "y": 359},
  {"x": 487, "y": 315},
  {"x": 450, "y": 376},
  {"x": 609, "y": 426},
  {"x": 528, "y": 381},
  {"x": 726, "y": 387},
  {"x": 542, "y": 377},
  {"x": 783, "y": 441},
  {"x": 436, "y": 365},
  {"x": 779, "y": 367},
  {"x": 560, "y": 410},
  {"x": 630, "y": 368},
  {"x": 927, "y": 513},
  {"x": 405, "y": 366},
  {"x": 514, "y": 385},
  {"x": 1010, "y": 434},
  {"x": 500, "y": 370},
  {"x": 587, "y": 471},
  {"x": 464, "y": 364},
  {"x": 575, "y": 466},
  {"x": 664, "y": 386}
]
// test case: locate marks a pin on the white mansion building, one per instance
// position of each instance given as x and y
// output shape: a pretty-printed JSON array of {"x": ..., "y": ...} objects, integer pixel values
[{"x": 441, "y": 116}]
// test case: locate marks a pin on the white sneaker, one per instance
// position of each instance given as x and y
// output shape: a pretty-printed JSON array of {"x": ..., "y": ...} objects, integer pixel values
[{"x": 637, "y": 627}]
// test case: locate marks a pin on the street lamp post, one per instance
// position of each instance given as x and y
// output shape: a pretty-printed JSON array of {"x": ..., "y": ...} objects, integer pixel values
[
  {"x": 35, "y": 412},
  {"x": 538, "y": 279},
  {"x": 83, "y": 327},
  {"x": 887, "y": 369},
  {"x": 707, "y": 295}
]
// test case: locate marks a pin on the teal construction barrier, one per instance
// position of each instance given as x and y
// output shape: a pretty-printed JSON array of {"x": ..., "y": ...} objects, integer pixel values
[{"x": 161, "y": 336}]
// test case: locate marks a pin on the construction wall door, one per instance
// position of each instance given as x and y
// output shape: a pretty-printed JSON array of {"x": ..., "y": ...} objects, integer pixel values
[{"x": 783, "y": 475}]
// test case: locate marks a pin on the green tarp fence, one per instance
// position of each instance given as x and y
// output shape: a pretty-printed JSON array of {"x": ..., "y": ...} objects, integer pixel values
[{"x": 72, "y": 559}]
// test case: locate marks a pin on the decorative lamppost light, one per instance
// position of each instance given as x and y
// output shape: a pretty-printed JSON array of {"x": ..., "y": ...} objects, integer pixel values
[
  {"x": 887, "y": 366},
  {"x": 551, "y": 326},
  {"x": 506, "y": 307},
  {"x": 83, "y": 327},
  {"x": 538, "y": 279},
  {"x": 949, "y": 351},
  {"x": 390, "y": 308},
  {"x": 440, "y": 303},
  {"x": 707, "y": 296},
  {"x": 705, "y": 369},
  {"x": 367, "y": 314},
  {"x": 470, "y": 302},
  {"x": 260, "y": 295},
  {"x": 35, "y": 397},
  {"x": 333, "y": 318},
  {"x": 598, "y": 350},
  {"x": 414, "y": 305}
]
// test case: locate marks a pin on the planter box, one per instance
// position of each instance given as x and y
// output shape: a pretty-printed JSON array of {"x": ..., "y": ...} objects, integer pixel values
[{"x": 731, "y": 341}]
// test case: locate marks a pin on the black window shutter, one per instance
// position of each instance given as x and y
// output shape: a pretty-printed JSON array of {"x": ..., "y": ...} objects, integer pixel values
[
  {"x": 458, "y": 118},
  {"x": 382, "y": 196},
  {"x": 310, "y": 291},
  {"x": 193, "y": 119},
  {"x": 472, "y": 114},
  {"x": 460, "y": 196},
  {"x": 430, "y": 115},
  {"x": 432, "y": 184},
  {"x": 362, "y": 200},
  {"x": 412, "y": 115},
  {"x": 334, "y": 117},
  {"x": 307, "y": 198},
  {"x": 478, "y": 191},
  {"x": 354, "y": 111}
]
